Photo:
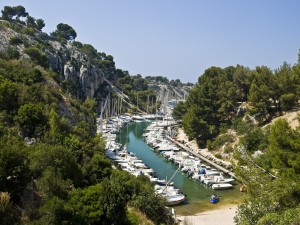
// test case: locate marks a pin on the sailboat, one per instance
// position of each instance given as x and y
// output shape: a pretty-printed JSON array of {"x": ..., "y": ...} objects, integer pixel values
[
  {"x": 148, "y": 117},
  {"x": 172, "y": 194}
]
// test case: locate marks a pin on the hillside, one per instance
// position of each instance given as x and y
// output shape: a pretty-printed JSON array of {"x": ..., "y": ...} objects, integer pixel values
[
  {"x": 291, "y": 117},
  {"x": 250, "y": 117},
  {"x": 53, "y": 168}
]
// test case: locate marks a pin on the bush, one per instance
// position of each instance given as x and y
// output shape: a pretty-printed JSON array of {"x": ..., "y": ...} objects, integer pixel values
[
  {"x": 221, "y": 140},
  {"x": 218, "y": 155},
  {"x": 12, "y": 53},
  {"x": 15, "y": 40},
  {"x": 242, "y": 126},
  {"x": 228, "y": 149},
  {"x": 37, "y": 56},
  {"x": 7, "y": 213},
  {"x": 288, "y": 101},
  {"x": 29, "y": 31}
]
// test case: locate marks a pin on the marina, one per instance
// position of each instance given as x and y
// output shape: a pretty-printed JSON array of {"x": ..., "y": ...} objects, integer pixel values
[
  {"x": 215, "y": 165},
  {"x": 146, "y": 144},
  {"x": 160, "y": 168}
]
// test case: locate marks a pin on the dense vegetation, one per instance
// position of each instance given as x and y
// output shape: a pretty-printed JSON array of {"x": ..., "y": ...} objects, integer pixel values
[
  {"x": 137, "y": 88},
  {"x": 267, "y": 158},
  {"x": 224, "y": 95},
  {"x": 53, "y": 169},
  {"x": 270, "y": 167}
]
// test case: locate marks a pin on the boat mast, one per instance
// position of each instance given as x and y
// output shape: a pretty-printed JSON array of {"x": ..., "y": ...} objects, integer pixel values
[
  {"x": 147, "y": 104},
  {"x": 137, "y": 100}
]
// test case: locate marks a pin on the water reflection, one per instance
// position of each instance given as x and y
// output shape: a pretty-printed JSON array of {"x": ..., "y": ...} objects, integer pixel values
[{"x": 197, "y": 194}]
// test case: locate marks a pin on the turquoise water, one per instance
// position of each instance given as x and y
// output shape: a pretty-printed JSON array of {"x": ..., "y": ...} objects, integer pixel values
[{"x": 197, "y": 193}]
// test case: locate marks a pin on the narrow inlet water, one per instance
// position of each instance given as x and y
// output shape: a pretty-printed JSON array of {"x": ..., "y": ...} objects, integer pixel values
[{"x": 198, "y": 195}]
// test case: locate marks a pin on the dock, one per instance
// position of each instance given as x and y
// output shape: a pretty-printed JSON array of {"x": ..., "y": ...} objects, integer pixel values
[{"x": 213, "y": 164}]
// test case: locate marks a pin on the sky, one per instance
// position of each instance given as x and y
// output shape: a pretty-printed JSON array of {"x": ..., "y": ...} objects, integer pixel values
[{"x": 179, "y": 39}]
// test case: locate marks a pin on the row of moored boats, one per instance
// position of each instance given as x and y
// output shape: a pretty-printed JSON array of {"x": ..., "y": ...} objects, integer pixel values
[
  {"x": 129, "y": 162},
  {"x": 155, "y": 137}
]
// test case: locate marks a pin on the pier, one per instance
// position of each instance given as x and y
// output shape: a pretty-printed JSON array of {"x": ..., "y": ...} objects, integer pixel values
[{"x": 215, "y": 165}]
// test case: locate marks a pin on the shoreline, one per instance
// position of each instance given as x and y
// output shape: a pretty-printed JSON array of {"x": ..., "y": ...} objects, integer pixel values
[
  {"x": 216, "y": 214},
  {"x": 221, "y": 215}
]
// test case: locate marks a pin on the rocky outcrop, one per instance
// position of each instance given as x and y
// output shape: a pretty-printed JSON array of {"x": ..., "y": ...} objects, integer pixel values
[
  {"x": 91, "y": 81},
  {"x": 70, "y": 63},
  {"x": 73, "y": 66}
]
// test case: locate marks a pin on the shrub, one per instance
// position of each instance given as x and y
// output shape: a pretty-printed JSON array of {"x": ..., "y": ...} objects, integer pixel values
[
  {"x": 15, "y": 40},
  {"x": 228, "y": 149},
  {"x": 37, "y": 56},
  {"x": 12, "y": 53},
  {"x": 242, "y": 126},
  {"x": 221, "y": 140},
  {"x": 29, "y": 31},
  {"x": 218, "y": 155}
]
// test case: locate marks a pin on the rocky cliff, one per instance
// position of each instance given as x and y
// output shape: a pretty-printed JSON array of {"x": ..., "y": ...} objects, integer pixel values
[{"x": 71, "y": 64}]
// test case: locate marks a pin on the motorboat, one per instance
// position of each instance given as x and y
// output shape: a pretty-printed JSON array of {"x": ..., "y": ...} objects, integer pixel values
[
  {"x": 217, "y": 180},
  {"x": 137, "y": 118},
  {"x": 221, "y": 186}
]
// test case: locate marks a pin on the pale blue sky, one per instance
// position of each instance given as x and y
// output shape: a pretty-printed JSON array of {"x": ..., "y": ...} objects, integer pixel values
[{"x": 179, "y": 39}]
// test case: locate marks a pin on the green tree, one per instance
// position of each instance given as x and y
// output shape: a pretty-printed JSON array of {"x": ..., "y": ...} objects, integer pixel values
[
  {"x": 40, "y": 24},
  {"x": 59, "y": 128},
  {"x": 30, "y": 21},
  {"x": 64, "y": 31},
  {"x": 288, "y": 101},
  {"x": 60, "y": 159},
  {"x": 8, "y": 12},
  {"x": 14, "y": 169},
  {"x": 212, "y": 102},
  {"x": 284, "y": 147},
  {"x": 152, "y": 205},
  {"x": 37, "y": 56},
  {"x": 104, "y": 203},
  {"x": 286, "y": 88},
  {"x": 97, "y": 169},
  {"x": 272, "y": 179},
  {"x": 289, "y": 216},
  {"x": 256, "y": 139},
  {"x": 20, "y": 11},
  {"x": 51, "y": 183},
  {"x": 8, "y": 95},
  {"x": 54, "y": 212},
  {"x": 242, "y": 81},
  {"x": 179, "y": 111},
  {"x": 261, "y": 93},
  {"x": 16, "y": 11},
  {"x": 31, "y": 117},
  {"x": 86, "y": 205}
]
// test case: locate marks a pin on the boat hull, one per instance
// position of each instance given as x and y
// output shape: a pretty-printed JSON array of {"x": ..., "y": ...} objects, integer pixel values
[
  {"x": 221, "y": 186},
  {"x": 175, "y": 200}
]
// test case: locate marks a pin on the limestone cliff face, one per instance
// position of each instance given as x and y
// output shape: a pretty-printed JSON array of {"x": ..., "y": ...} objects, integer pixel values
[
  {"x": 88, "y": 81},
  {"x": 71, "y": 64}
]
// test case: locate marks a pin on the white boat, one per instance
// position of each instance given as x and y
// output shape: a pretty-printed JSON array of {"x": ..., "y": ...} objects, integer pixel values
[
  {"x": 161, "y": 182},
  {"x": 172, "y": 195},
  {"x": 150, "y": 117},
  {"x": 217, "y": 180},
  {"x": 221, "y": 186},
  {"x": 137, "y": 118},
  {"x": 175, "y": 199}
]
